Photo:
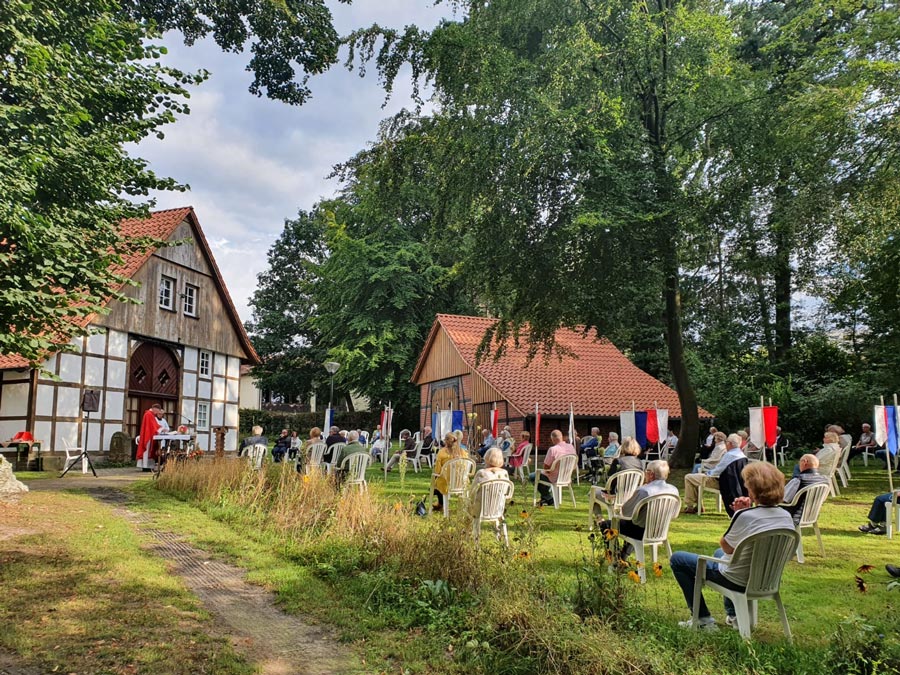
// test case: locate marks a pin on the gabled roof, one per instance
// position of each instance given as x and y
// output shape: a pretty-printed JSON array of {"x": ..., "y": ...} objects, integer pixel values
[
  {"x": 160, "y": 225},
  {"x": 599, "y": 382}
]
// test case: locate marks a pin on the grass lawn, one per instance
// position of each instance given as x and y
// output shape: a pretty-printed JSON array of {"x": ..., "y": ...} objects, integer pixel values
[
  {"x": 817, "y": 594},
  {"x": 80, "y": 596}
]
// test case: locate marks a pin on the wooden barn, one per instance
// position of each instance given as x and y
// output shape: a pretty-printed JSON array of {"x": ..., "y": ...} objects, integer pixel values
[
  {"x": 182, "y": 347},
  {"x": 597, "y": 380}
]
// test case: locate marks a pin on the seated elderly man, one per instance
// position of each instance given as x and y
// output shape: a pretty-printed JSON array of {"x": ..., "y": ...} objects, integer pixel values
[
  {"x": 809, "y": 475},
  {"x": 407, "y": 445},
  {"x": 718, "y": 449},
  {"x": 559, "y": 449},
  {"x": 765, "y": 485},
  {"x": 353, "y": 447},
  {"x": 710, "y": 477},
  {"x": 632, "y": 524}
]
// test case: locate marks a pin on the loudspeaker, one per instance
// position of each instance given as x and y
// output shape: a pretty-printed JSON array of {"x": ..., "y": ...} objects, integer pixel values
[{"x": 90, "y": 401}]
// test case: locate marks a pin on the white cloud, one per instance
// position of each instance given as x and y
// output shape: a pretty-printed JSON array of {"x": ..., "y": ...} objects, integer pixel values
[{"x": 251, "y": 162}]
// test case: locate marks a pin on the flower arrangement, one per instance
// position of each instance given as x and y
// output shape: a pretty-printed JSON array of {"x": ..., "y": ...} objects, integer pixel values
[{"x": 182, "y": 429}]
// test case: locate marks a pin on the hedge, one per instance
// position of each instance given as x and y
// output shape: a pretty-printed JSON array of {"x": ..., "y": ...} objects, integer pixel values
[{"x": 273, "y": 422}]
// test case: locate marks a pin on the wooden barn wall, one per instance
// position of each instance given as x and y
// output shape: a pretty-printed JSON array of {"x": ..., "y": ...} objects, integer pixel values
[
  {"x": 443, "y": 361},
  {"x": 211, "y": 330}
]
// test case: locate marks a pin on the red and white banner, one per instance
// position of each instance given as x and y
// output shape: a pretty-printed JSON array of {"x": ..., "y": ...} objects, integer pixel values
[{"x": 495, "y": 422}]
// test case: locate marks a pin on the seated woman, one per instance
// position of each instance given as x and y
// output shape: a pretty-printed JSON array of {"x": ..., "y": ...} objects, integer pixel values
[
  {"x": 518, "y": 456},
  {"x": 612, "y": 450},
  {"x": 878, "y": 514},
  {"x": 628, "y": 457},
  {"x": 714, "y": 456},
  {"x": 493, "y": 470},
  {"x": 829, "y": 455},
  {"x": 315, "y": 436},
  {"x": 377, "y": 443},
  {"x": 451, "y": 450}
]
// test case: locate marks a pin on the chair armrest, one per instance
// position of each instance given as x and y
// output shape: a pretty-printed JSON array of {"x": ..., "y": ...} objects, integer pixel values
[{"x": 701, "y": 565}]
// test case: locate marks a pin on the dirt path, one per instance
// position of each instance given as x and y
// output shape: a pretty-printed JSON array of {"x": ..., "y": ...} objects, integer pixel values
[{"x": 278, "y": 643}]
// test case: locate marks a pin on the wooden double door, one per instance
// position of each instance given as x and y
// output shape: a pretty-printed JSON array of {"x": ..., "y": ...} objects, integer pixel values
[{"x": 154, "y": 376}]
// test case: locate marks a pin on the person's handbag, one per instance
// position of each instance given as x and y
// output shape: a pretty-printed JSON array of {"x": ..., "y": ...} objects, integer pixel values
[{"x": 421, "y": 509}]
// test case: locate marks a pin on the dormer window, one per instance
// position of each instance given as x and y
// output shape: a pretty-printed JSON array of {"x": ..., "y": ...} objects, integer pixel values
[{"x": 167, "y": 293}]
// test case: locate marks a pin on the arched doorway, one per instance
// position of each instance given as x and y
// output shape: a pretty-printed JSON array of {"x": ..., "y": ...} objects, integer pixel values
[{"x": 153, "y": 377}]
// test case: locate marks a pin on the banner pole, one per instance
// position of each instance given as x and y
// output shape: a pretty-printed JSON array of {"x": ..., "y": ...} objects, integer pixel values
[{"x": 887, "y": 452}]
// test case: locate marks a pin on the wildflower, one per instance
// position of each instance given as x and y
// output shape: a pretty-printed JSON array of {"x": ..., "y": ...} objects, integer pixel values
[
  {"x": 397, "y": 506},
  {"x": 578, "y": 528},
  {"x": 657, "y": 569},
  {"x": 525, "y": 555},
  {"x": 610, "y": 534},
  {"x": 524, "y": 514},
  {"x": 634, "y": 576},
  {"x": 639, "y": 564},
  {"x": 865, "y": 569},
  {"x": 623, "y": 563},
  {"x": 592, "y": 537},
  {"x": 305, "y": 478},
  {"x": 608, "y": 556},
  {"x": 861, "y": 585}
]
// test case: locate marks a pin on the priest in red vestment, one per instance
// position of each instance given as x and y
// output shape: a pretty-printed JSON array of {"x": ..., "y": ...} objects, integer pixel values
[{"x": 146, "y": 451}]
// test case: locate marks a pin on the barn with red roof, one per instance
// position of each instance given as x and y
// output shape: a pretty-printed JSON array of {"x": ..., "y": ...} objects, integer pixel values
[
  {"x": 180, "y": 344},
  {"x": 592, "y": 376}
]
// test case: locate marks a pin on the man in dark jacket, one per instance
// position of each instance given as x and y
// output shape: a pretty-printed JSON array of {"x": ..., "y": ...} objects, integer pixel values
[
  {"x": 809, "y": 475},
  {"x": 334, "y": 436}
]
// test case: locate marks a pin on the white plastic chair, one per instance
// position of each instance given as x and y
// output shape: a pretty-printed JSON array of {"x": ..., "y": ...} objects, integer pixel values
[
  {"x": 427, "y": 454},
  {"x": 769, "y": 552},
  {"x": 813, "y": 497},
  {"x": 491, "y": 498},
  {"x": 843, "y": 465},
  {"x": 659, "y": 512},
  {"x": 314, "y": 461},
  {"x": 417, "y": 459},
  {"x": 256, "y": 454},
  {"x": 354, "y": 468},
  {"x": 619, "y": 488},
  {"x": 457, "y": 473},
  {"x": 73, "y": 454},
  {"x": 706, "y": 487},
  {"x": 526, "y": 462},
  {"x": 892, "y": 515},
  {"x": 780, "y": 454},
  {"x": 565, "y": 466},
  {"x": 336, "y": 450}
]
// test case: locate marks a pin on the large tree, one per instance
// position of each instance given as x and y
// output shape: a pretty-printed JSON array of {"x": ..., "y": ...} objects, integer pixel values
[{"x": 78, "y": 82}]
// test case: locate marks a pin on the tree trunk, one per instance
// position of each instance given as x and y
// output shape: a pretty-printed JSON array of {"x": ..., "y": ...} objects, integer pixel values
[
  {"x": 687, "y": 398},
  {"x": 783, "y": 234},
  {"x": 348, "y": 399}
]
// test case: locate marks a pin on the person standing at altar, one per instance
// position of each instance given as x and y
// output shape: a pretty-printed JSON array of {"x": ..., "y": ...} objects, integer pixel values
[{"x": 150, "y": 427}]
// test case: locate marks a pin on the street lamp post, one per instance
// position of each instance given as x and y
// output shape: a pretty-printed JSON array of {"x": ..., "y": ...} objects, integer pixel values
[{"x": 332, "y": 368}]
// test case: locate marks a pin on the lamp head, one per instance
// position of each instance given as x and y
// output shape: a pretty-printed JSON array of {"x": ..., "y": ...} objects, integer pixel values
[{"x": 331, "y": 367}]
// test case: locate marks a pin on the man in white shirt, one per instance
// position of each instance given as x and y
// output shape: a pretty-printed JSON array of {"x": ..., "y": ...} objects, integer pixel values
[
  {"x": 693, "y": 481},
  {"x": 765, "y": 486}
]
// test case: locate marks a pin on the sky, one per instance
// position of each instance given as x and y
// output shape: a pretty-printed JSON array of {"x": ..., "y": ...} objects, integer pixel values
[{"x": 251, "y": 162}]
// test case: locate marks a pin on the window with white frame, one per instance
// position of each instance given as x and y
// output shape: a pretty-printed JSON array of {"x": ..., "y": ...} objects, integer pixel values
[
  {"x": 205, "y": 363},
  {"x": 202, "y": 416},
  {"x": 190, "y": 300},
  {"x": 167, "y": 292}
]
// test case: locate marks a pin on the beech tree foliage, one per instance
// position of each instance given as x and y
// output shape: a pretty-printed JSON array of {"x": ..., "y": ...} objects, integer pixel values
[{"x": 79, "y": 81}]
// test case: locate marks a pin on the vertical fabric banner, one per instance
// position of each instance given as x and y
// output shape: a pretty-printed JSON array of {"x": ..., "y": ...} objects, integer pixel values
[
  {"x": 537, "y": 429},
  {"x": 495, "y": 420},
  {"x": 757, "y": 427},
  {"x": 447, "y": 421},
  {"x": 571, "y": 425},
  {"x": 880, "y": 425},
  {"x": 890, "y": 413},
  {"x": 626, "y": 424},
  {"x": 662, "y": 423},
  {"x": 456, "y": 421},
  {"x": 640, "y": 427},
  {"x": 653, "y": 429},
  {"x": 329, "y": 416},
  {"x": 770, "y": 419}
]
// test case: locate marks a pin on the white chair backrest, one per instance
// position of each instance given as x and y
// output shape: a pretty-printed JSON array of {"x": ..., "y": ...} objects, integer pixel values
[
  {"x": 493, "y": 495},
  {"x": 565, "y": 466},
  {"x": 257, "y": 454},
  {"x": 337, "y": 449},
  {"x": 72, "y": 451},
  {"x": 418, "y": 448},
  {"x": 769, "y": 552},
  {"x": 659, "y": 512},
  {"x": 316, "y": 451},
  {"x": 355, "y": 465},
  {"x": 813, "y": 497},
  {"x": 622, "y": 484},
  {"x": 457, "y": 473},
  {"x": 526, "y": 452}
]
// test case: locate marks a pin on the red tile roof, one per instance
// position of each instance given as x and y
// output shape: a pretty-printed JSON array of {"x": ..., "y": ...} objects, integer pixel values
[
  {"x": 599, "y": 381},
  {"x": 160, "y": 225}
]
